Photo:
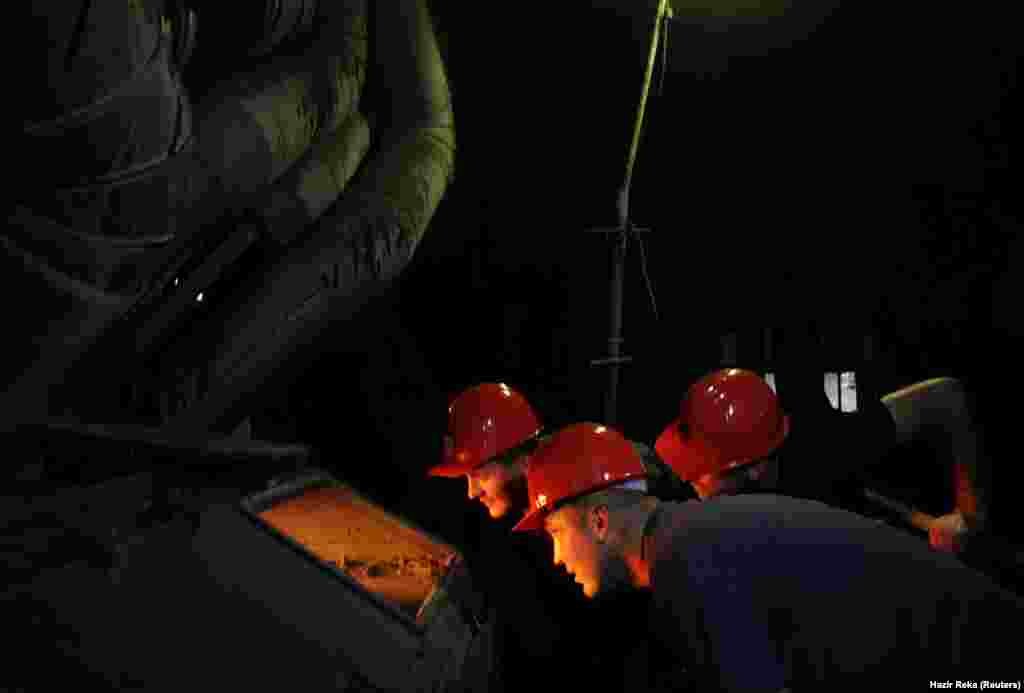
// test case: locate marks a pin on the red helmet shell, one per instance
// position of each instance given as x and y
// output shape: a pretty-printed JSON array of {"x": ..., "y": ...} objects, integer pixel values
[
  {"x": 484, "y": 421},
  {"x": 728, "y": 418},
  {"x": 579, "y": 459}
]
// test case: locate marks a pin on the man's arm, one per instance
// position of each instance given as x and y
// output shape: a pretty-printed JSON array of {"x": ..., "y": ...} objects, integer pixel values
[{"x": 937, "y": 409}]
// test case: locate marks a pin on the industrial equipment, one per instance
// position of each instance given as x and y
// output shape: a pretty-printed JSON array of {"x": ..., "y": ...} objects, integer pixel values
[
  {"x": 161, "y": 563},
  {"x": 393, "y": 604}
]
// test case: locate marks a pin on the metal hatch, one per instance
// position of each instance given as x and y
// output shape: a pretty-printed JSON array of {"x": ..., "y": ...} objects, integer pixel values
[
  {"x": 381, "y": 598},
  {"x": 356, "y": 540}
]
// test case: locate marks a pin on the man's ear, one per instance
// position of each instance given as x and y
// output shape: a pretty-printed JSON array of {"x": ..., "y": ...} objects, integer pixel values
[{"x": 598, "y": 519}]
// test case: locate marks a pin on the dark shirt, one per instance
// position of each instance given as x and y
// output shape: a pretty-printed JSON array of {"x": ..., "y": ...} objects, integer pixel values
[
  {"x": 538, "y": 607},
  {"x": 764, "y": 592},
  {"x": 829, "y": 455}
]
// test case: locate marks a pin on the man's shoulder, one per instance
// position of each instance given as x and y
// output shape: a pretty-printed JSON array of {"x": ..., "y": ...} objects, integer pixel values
[{"x": 753, "y": 514}]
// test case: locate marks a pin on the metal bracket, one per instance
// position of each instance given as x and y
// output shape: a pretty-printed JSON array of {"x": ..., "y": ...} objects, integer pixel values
[
  {"x": 615, "y": 359},
  {"x": 611, "y": 360},
  {"x": 627, "y": 229}
]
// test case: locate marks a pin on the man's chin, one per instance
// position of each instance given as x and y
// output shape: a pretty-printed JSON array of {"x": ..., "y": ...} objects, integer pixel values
[{"x": 497, "y": 511}]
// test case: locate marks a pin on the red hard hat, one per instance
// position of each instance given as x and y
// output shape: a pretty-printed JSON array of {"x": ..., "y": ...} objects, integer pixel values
[
  {"x": 483, "y": 421},
  {"x": 728, "y": 418},
  {"x": 579, "y": 459}
]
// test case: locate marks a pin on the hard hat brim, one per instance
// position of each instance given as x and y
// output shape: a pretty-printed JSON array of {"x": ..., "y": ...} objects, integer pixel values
[
  {"x": 689, "y": 458},
  {"x": 449, "y": 470},
  {"x": 532, "y": 522},
  {"x": 692, "y": 457},
  {"x": 451, "y": 466}
]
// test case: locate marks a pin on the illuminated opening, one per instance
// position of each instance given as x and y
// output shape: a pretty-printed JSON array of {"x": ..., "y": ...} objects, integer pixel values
[
  {"x": 841, "y": 390},
  {"x": 382, "y": 554}
]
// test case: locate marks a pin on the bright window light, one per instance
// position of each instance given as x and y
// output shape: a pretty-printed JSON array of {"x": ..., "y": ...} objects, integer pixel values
[
  {"x": 841, "y": 390},
  {"x": 848, "y": 391},
  {"x": 832, "y": 389}
]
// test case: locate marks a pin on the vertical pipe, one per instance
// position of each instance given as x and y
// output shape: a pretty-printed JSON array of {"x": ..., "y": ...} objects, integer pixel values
[
  {"x": 615, "y": 320},
  {"x": 619, "y": 250},
  {"x": 635, "y": 143}
]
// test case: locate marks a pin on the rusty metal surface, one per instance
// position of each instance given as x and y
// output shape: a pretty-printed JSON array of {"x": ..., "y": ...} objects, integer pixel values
[{"x": 382, "y": 554}]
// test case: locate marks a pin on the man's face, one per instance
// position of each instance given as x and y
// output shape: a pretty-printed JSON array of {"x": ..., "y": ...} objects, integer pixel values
[
  {"x": 578, "y": 544},
  {"x": 496, "y": 485}
]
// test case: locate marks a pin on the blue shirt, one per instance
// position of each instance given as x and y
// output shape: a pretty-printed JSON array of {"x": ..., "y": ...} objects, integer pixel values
[{"x": 763, "y": 592}]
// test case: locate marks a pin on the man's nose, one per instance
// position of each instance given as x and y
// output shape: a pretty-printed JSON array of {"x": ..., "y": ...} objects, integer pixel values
[{"x": 473, "y": 488}]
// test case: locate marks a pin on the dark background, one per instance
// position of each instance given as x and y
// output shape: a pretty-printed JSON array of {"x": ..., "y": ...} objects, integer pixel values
[
  {"x": 846, "y": 172},
  {"x": 834, "y": 173}
]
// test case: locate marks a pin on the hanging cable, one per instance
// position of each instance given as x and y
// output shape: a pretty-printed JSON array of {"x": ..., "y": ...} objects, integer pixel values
[
  {"x": 625, "y": 229},
  {"x": 647, "y": 278},
  {"x": 667, "y": 23},
  {"x": 641, "y": 107},
  {"x": 663, "y": 20}
]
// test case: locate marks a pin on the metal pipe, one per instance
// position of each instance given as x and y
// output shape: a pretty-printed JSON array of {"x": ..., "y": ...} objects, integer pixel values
[
  {"x": 914, "y": 518},
  {"x": 641, "y": 108},
  {"x": 615, "y": 323},
  {"x": 988, "y": 548},
  {"x": 615, "y": 339}
]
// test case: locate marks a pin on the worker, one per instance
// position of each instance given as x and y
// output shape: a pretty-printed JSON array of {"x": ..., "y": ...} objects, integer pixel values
[
  {"x": 493, "y": 433},
  {"x": 762, "y": 592},
  {"x": 733, "y": 436},
  {"x": 493, "y": 430}
]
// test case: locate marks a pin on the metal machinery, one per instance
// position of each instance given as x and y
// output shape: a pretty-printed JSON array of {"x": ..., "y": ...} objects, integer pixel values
[
  {"x": 308, "y": 179},
  {"x": 378, "y": 592},
  {"x": 226, "y": 564},
  {"x": 137, "y": 540}
]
